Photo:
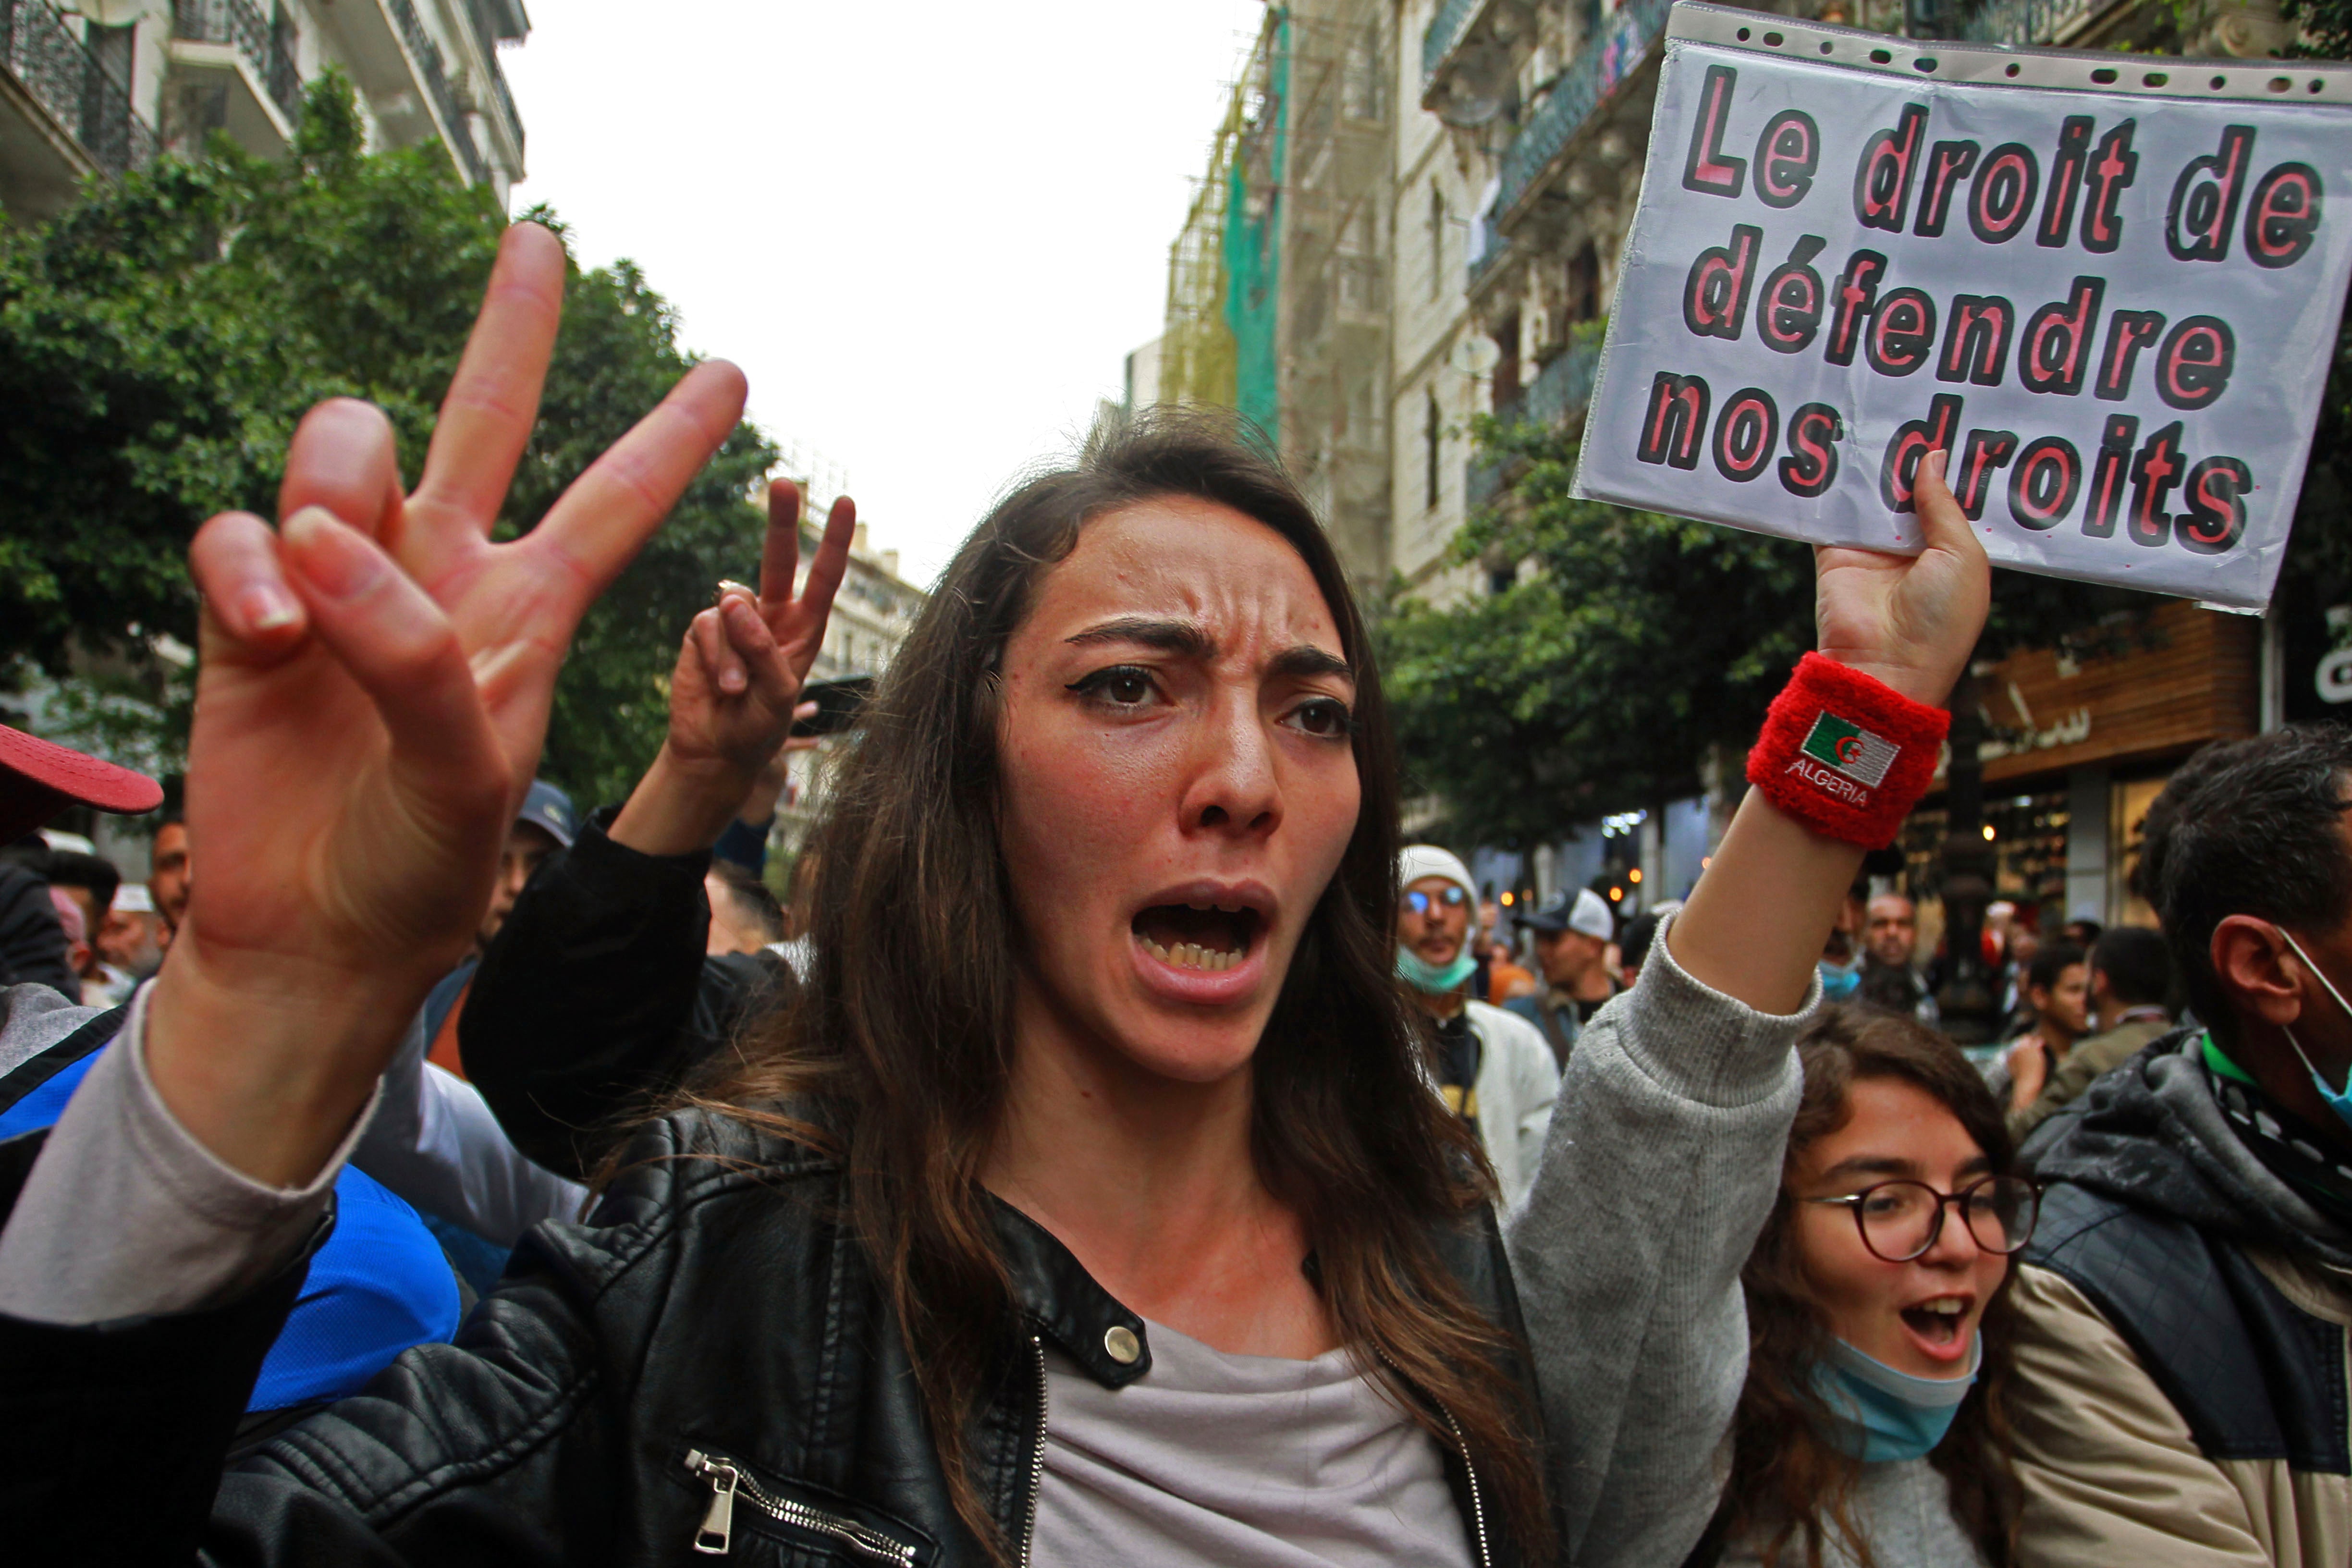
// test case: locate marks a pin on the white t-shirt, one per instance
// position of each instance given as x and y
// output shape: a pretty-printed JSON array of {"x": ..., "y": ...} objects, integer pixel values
[{"x": 1238, "y": 1461}]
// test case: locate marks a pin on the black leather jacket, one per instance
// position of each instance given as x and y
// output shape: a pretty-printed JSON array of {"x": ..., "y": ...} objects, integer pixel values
[{"x": 708, "y": 1363}]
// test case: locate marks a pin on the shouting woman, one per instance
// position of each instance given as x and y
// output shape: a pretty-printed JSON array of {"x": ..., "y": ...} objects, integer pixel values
[{"x": 1091, "y": 1204}]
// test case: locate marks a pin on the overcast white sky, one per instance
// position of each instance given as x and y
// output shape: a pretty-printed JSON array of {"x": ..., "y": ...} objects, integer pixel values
[{"x": 928, "y": 232}]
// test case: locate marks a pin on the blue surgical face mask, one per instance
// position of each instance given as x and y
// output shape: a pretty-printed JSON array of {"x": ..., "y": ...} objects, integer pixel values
[
  {"x": 1884, "y": 1415},
  {"x": 1422, "y": 976},
  {"x": 1840, "y": 981},
  {"x": 2338, "y": 1100}
]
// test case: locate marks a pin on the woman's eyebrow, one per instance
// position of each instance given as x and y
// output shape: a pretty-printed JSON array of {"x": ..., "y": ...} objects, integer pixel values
[
  {"x": 1181, "y": 637},
  {"x": 1305, "y": 658},
  {"x": 1871, "y": 1165},
  {"x": 1187, "y": 640}
]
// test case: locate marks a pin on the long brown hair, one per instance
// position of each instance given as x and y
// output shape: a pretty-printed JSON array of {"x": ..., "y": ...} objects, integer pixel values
[
  {"x": 902, "y": 1037},
  {"x": 1790, "y": 1487}
]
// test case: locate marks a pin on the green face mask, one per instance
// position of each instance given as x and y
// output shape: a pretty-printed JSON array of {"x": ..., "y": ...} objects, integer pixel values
[{"x": 1422, "y": 976}]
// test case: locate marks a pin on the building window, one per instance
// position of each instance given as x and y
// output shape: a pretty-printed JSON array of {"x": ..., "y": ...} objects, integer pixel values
[
  {"x": 1506, "y": 395},
  {"x": 1436, "y": 240},
  {"x": 110, "y": 49},
  {"x": 1584, "y": 284},
  {"x": 1431, "y": 436}
]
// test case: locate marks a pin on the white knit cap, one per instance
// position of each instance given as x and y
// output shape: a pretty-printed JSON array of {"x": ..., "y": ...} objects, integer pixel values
[
  {"x": 131, "y": 899},
  {"x": 1415, "y": 861}
]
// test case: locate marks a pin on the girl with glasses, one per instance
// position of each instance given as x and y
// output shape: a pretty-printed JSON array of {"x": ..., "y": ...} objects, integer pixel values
[{"x": 1870, "y": 1431}]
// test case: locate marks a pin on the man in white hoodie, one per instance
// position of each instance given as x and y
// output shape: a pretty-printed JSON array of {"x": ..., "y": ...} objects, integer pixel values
[{"x": 1493, "y": 1068}]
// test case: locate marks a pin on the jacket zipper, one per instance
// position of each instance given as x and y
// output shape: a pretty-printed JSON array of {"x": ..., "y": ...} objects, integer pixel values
[
  {"x": 728, "y": 1482},
  {"x": 1478, "y": 1503},
  {"x": 1037, "y": 1459},
  {"x": 1460, "y": 1446}
]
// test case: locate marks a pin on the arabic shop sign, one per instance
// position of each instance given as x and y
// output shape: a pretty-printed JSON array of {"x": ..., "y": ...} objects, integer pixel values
[{"x": 2184, "y": 677}]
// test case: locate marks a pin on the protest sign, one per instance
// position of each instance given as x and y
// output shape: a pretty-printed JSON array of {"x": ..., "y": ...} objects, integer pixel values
[{"x": 2108, "y": 285}]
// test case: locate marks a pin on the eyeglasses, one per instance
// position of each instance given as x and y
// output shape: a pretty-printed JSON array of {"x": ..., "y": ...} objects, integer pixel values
[
  {"x": 1419, "y": 902},
  {"x": 1900, "y": 1220}
]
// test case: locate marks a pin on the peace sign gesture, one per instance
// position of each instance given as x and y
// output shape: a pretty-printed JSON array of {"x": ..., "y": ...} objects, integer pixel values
[
  {"x": 739, "y": 678},
  {"x": 373, "y": 691}
]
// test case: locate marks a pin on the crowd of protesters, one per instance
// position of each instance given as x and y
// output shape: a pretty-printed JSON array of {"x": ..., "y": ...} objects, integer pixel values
[{"x": 1123, "y": 1149}]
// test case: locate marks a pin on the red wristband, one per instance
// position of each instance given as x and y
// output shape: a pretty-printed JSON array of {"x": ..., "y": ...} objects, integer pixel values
[{"x": 1846, "y": 754}]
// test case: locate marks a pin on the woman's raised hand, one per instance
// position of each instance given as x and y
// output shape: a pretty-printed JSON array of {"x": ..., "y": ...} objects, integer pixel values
[
  {"x": 737, "y": 684},
  {"x": 1909, "y": 621},
  {"x": 373, "y": 691},
  {"x": 1754, "y": 926}
]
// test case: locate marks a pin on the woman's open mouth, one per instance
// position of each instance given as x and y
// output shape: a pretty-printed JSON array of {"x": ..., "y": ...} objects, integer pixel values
[
  {"x": 1939, "y": 1322},
  {"x": 1204, "y": 936}
]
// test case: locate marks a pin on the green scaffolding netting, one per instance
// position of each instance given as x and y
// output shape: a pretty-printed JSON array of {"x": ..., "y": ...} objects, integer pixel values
[{"x": 1253, "y": 248}]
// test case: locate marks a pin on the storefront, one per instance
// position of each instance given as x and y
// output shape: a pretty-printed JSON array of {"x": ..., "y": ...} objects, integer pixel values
[{"x": 2077, "y": 748}]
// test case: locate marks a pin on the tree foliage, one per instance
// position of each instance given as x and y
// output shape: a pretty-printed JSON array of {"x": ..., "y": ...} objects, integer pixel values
[
  {"x": 2326, "y": 28},
  {"x": 159, "y": 341},
  {"x": 1632, "y": 646}
]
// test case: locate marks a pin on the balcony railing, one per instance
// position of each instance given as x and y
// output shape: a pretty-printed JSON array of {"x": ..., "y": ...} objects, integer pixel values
[
  {"x": 486, "y": 33},
  {"x": 1446, "y": 29},
  {"x": 1609, "y": 56},
  {"x": 2023, "y": 22},
  {"x": 1558, "y": 393},
  {"x": 427, "y": 55},
  {"x": 1563, "y": 387},
  {"x": 505, "y": 99},
  {"x": 238, "y": 22},
  {"x": 60, "y": 73}
]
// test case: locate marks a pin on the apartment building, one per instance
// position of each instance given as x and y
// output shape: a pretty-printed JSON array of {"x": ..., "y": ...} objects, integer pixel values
[
  {"x": 103, "y": 86},
  {"x": 1279, "y": 302}
]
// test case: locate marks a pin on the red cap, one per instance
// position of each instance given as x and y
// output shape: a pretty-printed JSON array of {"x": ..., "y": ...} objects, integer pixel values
[{"x": 40, "y": 778}]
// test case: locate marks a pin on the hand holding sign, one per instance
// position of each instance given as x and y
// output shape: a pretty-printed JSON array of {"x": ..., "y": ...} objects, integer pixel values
[{"x": 1908, "y": 621}]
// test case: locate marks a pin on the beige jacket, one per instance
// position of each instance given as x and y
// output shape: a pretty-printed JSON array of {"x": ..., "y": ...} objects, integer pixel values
[{"x": 2112, "y": 1475}]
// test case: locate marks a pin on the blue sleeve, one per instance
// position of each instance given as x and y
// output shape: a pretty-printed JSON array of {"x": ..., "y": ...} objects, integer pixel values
[{"x": 379, "y": 1285}]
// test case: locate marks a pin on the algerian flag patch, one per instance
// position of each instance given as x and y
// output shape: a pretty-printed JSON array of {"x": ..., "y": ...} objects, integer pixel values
[{"x": 1851, "y": 748}]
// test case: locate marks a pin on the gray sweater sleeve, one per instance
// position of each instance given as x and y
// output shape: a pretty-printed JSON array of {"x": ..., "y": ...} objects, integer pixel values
[
  {"x": 1660, "y": 1168},
  {"x": 125, "y": 1214}
]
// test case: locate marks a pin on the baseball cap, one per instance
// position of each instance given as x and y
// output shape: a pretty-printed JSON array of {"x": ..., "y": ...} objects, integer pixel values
[
  {"x": 548, "y": 807},
  {"x": 40, "y": 778},
  {"x": 1580, "y": 911}
]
